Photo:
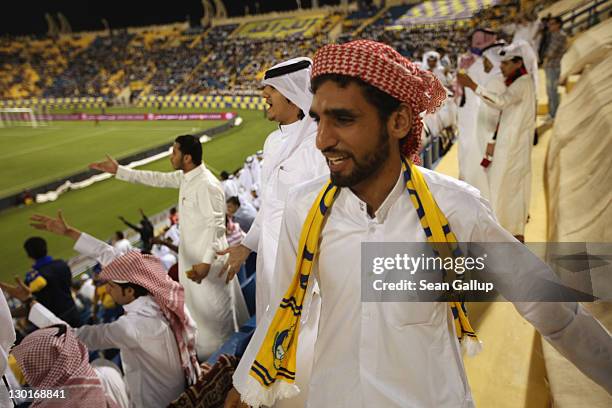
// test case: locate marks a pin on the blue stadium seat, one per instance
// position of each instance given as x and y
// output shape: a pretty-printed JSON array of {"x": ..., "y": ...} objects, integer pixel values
[
  {"x": 242, "y": 275},
  {"x": 237, "y": 344},
  {"x": 248, "y": 291},
  {"x": 249, "y": 325},
  {"x": 251, "y": 263}
]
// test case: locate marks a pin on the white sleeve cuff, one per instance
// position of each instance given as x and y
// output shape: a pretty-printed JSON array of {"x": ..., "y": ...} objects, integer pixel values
[
  {"x": 123, "y": 173},
  {"x": 41, "y": 317}
]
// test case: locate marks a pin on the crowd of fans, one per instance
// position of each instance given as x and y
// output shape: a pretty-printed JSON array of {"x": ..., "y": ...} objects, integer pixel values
[{"x": 205, "y": 61}]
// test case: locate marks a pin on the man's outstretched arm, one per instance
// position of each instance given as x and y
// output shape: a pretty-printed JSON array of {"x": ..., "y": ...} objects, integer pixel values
[
  {"x": 149, "y": 178},
  {"x": 84, "y": 243}
]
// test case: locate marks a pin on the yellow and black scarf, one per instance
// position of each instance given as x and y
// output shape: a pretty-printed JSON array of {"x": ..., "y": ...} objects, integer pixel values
[{"x": 272, "y": 375}]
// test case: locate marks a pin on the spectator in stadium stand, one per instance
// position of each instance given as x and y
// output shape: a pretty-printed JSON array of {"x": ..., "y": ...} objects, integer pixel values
[
  {"x": 290, "y": 158},
  {"x": 217, "y": 308},
  {"x": 121, "y": 244},
  {"x": 50, "y": 281},
  {"x": 54, "y": 358},
  {"x": 255, "y": 200},
  {"x": 555, "y": 48},
  {"x": 389, "y": 354},
  {"x": 230, "y": 185},
  {"x": 145, "y": 229},
  {"x": 25, "y": 198},
  {"x": 173, "y": 216},
  {"x": 156, "y": 335},
  {"x": 510, "y": 169},
  {"x": 244, "y": 214}
]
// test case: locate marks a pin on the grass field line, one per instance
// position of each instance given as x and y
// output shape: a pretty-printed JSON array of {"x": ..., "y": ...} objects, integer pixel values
[{"x": 55, "y": 144}]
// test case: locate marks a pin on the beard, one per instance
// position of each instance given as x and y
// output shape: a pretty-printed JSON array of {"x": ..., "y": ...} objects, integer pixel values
[{"x": 366, "y": 166}]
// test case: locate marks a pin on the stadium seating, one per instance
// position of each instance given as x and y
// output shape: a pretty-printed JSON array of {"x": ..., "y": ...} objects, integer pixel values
[{"x": 228, "y": 58}]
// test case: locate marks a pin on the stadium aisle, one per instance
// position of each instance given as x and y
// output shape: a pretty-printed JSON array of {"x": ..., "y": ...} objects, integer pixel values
[{"x": 509, "y": 372}]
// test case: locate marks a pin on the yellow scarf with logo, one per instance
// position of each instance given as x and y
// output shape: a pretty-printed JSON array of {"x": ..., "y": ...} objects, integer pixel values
[{"x": 272, "y": 375}]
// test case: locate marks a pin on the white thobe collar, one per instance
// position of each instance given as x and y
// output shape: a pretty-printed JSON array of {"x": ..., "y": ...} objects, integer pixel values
[
  {"x": 143, "y": 305},
  {"x": 194, "y": 173},
  {"x": 359, "y": 208},
  {"x": 286, "y": 130}
]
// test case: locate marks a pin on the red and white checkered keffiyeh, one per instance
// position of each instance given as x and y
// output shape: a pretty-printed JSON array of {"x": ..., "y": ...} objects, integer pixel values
[
  {"x": 51, "y": 360},
  {"x": 148, "y": 272},
  {"x": 386, "y": 69}
]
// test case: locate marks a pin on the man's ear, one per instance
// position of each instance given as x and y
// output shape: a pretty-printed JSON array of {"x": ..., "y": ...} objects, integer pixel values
[
  {"x": 129, "y": 292},
  {"x": 400, "y": 122}
]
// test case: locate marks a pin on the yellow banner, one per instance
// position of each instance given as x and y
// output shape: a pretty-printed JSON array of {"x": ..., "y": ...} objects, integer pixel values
[{"x": 281, "y": 27}]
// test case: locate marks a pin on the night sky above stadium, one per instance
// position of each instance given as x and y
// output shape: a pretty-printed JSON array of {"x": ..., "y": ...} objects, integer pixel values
[{"x": 28, "y": 17}]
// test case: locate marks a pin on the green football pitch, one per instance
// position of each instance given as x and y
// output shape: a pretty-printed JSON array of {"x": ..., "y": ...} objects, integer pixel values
[{"x": 34, "y": 156}]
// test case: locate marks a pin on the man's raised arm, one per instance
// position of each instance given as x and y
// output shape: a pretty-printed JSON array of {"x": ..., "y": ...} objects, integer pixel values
[{"x": 149, "y": 178}]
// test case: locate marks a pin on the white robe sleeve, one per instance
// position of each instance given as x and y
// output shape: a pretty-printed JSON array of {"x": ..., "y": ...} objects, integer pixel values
[
  {"x": 42, "y": 317},
  {"x": 150, "y": 178},
  {"x": 7, "y": 333},
  {"x": 112, "y": 381},
  {"x": 96, "y": 249},
  {"x": 118, "y": 334},
  {"x": 514, "y": 95},
  {"x": 251, "y": 240},
  {"x": 566, "y": 325},
  {"x": 211, "y": 202}
]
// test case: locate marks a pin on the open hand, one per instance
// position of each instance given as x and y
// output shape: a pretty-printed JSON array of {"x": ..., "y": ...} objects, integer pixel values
[
  {"x": 55, "y": 225},
  {"x": 109, "y": 165},
  {"x": 466, "y": 81},
  {"x": 19, "y": 291},
  {"x": 237, "y": 255}
]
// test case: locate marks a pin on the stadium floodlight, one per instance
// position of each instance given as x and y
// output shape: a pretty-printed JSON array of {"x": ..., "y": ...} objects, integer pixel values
[{"x": 11, "y": 117}]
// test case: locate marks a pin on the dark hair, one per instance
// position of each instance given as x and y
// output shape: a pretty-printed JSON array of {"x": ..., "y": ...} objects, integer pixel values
[
  {"x": 300, "y": 113},
  {"x": 138, "y": 290},
  {"x": 224, "y": 175},
  {"x": 61, "y": 329},
  {"x": 233, "y": 200},
  {"x": 35, "y": 247},
  {"x": 173, "y": 210},
  {"x": 558, "y": 20},
  {"x": 189, "y": 144},
  {"x": 384, "y": 103},
  {"x": 119, "y": 235}
]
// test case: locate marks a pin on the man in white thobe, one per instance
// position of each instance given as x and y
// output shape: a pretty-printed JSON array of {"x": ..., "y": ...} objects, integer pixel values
[
  {"x": 230, "y": 186},
  {"x": 487, "y": 120},
  {"x": 290, "y": 158},
  {"x": 218, "y": 309},
  {"x": 121, "y": 243},
  {"x": 254, "y": 166},
  {"x": 393, "y": 354},
  {"x": 246, "y": 176},
  {"x": 468, "y": 105},
  {"x": 7, "y": 338},
  {"x": 510, "y": 170}
]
